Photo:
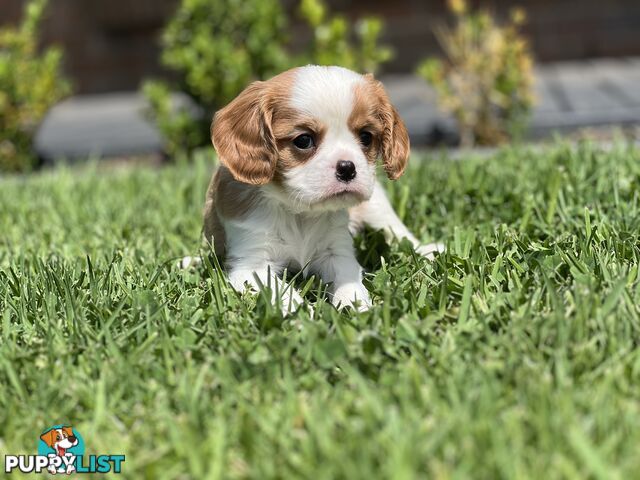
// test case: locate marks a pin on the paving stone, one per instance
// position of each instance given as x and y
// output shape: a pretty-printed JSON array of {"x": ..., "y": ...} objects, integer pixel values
[
  {"x": 104, "y": 125},
  {"x": 548, "y": 92},
  {"x": 621, "y": 78}
]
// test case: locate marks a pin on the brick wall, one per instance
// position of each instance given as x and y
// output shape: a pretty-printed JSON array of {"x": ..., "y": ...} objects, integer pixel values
[
  {"x": 109, "y": 44},
  {"x": 113, "y": 44},
  {"x": 558, "y": 29}
]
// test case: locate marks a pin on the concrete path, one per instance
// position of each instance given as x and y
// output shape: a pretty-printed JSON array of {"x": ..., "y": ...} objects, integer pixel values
[
  {"x": 97, "y": 125},
  {"x": 571, "y": 95}
]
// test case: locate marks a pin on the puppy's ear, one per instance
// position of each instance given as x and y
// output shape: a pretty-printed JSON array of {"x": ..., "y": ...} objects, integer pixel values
[
  {"x": 49, "y": 437},
  {"x": 395, "y": 147},
  {"x": 395, "y": 139},
  {"x": 68, "y": 431},
  {"x": 241, "y": 134}
]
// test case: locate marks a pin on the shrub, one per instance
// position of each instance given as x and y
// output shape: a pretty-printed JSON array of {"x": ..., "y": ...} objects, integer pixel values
[
  {"x": 181, "y": 129},
  {"x": 30, "y": 83},
  {"x": 486, "y": 81},
  {"x": 332, "y": 41},
  {"x": 216, "y": 47}
]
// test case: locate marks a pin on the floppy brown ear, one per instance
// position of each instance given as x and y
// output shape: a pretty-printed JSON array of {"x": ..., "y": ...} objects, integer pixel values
[
  {"x": 395, "y": 143},
  {"x": 68, "y": 431},
  {"x": 241, "y": 134},
  {"x": 395, "y": 139},
  {"x": 48, "y": 437}
]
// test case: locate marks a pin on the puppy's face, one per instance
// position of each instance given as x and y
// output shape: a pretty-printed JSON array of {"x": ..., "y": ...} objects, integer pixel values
[
  {"x": 313, "y": 135},
  {"x": 60, "y": 439}
]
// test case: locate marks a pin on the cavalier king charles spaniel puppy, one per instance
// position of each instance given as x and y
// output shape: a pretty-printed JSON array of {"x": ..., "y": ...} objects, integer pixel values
[{"x": 297, "y": 179}]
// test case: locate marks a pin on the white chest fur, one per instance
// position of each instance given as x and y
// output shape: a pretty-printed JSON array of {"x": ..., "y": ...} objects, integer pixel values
[{"x": 273, "y": 234}]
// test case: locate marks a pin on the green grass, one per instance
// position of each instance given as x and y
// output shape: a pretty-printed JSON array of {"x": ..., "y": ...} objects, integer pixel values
[{"x": 514, "y": 355}]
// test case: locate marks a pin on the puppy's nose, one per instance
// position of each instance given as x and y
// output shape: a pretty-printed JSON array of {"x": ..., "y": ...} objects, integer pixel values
[
  {"x": 72, "y": 438},
  {"x": 345, "y": 170}
]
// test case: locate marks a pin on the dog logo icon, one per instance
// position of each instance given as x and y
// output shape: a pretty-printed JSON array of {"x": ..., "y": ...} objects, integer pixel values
[{"x": 62, "y": 441}]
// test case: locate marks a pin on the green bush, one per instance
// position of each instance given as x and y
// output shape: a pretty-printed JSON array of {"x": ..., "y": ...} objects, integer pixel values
[
  {"x": 332, "y": 42},
  {"x": 486, "y": 81},
  {"x": 216, "y": 47},
  {"x": 180, "y": 128},
  {"x": 30, "y": 83}
]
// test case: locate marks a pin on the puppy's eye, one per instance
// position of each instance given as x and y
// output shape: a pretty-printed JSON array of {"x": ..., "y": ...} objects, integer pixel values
[
  {"x": 366, "y": 138},
  {"x": 304, "y": 142}
]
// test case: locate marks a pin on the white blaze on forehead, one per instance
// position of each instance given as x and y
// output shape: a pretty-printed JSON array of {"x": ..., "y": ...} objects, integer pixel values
[{"x": 325, "y": 93}]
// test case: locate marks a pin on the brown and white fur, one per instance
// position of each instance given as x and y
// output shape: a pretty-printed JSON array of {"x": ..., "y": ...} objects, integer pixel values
[{"x": 274, "y": 203}]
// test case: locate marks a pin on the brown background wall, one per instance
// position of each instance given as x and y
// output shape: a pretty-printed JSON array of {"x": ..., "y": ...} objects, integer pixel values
[{"x": 113, "y": 44}]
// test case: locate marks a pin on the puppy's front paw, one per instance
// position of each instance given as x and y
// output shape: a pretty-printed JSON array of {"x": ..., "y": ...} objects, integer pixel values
[
  {"x": 282, "y": 293},
  {"x": 429, "y": 250},
  {"x": 351, "y": 295},
  {"x": 290, "y": 300},
  {"x": 189, "y": 262}
]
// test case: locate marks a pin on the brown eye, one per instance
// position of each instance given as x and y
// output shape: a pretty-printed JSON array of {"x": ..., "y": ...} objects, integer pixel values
[
  {"x": 366, "y": 138},
  {"x": 304, "y": 142}
]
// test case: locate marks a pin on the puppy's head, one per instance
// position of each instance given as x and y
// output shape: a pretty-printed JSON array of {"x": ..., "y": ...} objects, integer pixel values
[
  {"x": 59, "y": 437},
  {"x": 313, "y": 135}
]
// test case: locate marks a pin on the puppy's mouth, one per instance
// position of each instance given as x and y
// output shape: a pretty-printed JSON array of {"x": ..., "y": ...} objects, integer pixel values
[{"x": 345, "y": 194}]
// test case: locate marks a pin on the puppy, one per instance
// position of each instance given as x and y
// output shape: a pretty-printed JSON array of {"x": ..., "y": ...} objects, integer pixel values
[
  {"x": 60, "y": 439},
  {"x": 298, "y": 158}
]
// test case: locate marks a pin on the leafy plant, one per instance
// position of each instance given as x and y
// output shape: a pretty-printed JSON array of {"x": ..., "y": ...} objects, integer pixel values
[
  {"x": 333, "y": 44},
  {"x": 486, "y": 81},
  {"x": 30, "y": 83},
  {"x": 181, "y": 128},
  {"x": 216, "y": 47}
]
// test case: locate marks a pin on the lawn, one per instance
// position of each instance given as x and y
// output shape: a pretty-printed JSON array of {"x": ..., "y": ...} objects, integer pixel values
[{"x": 513, "y": 355}]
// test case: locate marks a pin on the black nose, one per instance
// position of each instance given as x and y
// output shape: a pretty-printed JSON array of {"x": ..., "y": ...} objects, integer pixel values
[
  {"x": 72, "y": 438},
  {"x": 345, "y": 171}
]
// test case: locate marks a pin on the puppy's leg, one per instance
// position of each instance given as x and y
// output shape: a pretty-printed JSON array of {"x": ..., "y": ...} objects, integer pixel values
[
  {"x": 338, "y": 266},
  {"x": 257, "y": 274},
  {"x": 378, "y": 214}
]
